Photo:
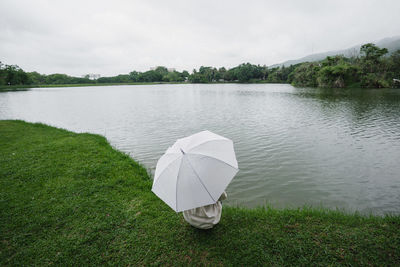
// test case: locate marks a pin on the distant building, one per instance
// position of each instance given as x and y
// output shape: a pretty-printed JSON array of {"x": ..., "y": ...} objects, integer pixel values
[
  {"x": 168, "y": 69},
  {"x": 396, "y": 83},
  {"x": 91, "y": 76}
]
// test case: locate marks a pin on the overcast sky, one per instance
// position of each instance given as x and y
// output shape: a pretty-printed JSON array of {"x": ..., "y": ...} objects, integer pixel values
[{"x": 112, "y": 37}]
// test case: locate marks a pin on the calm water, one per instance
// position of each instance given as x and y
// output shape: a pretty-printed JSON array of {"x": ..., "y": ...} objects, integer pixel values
[{"x": 294, "y": 146}]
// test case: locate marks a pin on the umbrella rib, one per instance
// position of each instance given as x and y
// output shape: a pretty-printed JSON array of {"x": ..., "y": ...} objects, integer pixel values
[
  {"x": 176, "y": 186},
  {"x": 198, "y": 177}
]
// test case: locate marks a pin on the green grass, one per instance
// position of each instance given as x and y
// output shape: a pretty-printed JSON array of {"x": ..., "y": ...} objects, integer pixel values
[
  {"x": 5, "y": 88},
  {"x": 72, "y": 200}
]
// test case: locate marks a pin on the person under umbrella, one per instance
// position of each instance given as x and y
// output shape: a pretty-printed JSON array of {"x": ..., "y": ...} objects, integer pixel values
[
  {"x": 205, "y": 217},
  {"x": 193, "y": 174}
]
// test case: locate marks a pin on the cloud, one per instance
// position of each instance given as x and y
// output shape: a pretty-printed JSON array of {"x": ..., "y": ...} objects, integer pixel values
[{"x": 79, "y": 37}]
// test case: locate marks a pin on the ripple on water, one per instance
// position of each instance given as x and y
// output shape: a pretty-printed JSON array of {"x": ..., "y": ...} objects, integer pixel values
[{"x": 294, "y": 146}]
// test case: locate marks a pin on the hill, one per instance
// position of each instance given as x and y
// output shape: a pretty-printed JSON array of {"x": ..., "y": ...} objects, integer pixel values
[{"x": 391, "y": 43}]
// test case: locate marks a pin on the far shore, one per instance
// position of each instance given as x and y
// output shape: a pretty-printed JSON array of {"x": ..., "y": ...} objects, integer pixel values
[
  {"x": 9, "y": 88},
  {"x": 6, "y": 88}
]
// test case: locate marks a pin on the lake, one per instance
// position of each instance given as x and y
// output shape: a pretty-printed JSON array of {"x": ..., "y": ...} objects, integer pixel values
[{"x": 295, "y": 146}]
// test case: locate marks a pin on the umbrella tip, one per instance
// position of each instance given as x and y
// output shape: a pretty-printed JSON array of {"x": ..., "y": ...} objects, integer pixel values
[{"x": 183, "y": 152}]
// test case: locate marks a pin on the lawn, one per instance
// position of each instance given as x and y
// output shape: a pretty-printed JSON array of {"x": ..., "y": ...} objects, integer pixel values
[{"x": 71, "y": 199}]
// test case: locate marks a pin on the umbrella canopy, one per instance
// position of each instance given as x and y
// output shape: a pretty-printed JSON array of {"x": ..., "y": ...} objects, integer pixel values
[{"x": 195, "y": 171}]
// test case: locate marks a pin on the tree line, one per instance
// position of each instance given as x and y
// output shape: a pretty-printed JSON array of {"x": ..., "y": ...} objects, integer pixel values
[
  {"x": 14, "y": 75},
  {"x": 373, "y": 68}
]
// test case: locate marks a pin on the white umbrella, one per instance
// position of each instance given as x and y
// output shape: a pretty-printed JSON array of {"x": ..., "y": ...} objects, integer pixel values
[{"x": 195, "y": 171}]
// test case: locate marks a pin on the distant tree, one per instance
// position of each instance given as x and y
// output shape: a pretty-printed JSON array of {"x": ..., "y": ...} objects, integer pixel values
[
  {"x": 337, "y": 72},
  {"x": 185, "y": 75},
  {"x": 204, "y": 75},
  {"x": 338, "y": 76},
  {"x": 370, "y": 52},
  {"x": 14, "y": 75},
  {"x": 246, "y": 72},
  {"x": 306, "y": 74},
  {"x": 134, "y": 76},
  {"x": 394, "y": 67},
  {"x": 221, "y": 73},
  {"x": 207, "y": 73},
  {"x": 2, "y": 74},
  {"x": 173, "y": 76},
  {"x": 372, "y": 68},
  {"x": 264, "y": 72},
  {"x": 194, "y": 78},
  {"x": 151, "y": 76},
  {"x": 36, "y": 78},
  {"x": 273, "y": 75},
  {"x": 161, "y": 70},
  {"x": 395, "y": 62},
  {"x": 122, "y": 78},
  {"x": 58, "y": 78},
  {"x": 230, "y": 74}
]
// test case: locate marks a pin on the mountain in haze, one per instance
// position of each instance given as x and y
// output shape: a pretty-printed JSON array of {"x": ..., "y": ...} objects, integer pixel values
[{"x": 391, "y": 43}]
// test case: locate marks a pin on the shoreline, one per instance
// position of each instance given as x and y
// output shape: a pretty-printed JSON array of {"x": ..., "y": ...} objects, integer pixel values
[
  {"x": 11, "y": 88},
  {"x": 22, "y": 87},
  {"x": 72, "y": 199}
]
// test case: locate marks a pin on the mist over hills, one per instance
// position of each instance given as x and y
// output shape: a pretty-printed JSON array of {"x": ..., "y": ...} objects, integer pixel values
[{"x": 391, "y": 43}]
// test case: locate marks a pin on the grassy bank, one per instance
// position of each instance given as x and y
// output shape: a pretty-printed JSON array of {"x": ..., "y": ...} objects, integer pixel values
[
  {"x": 6, "y": 88},
  {"x": 71, "y": 199}
]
